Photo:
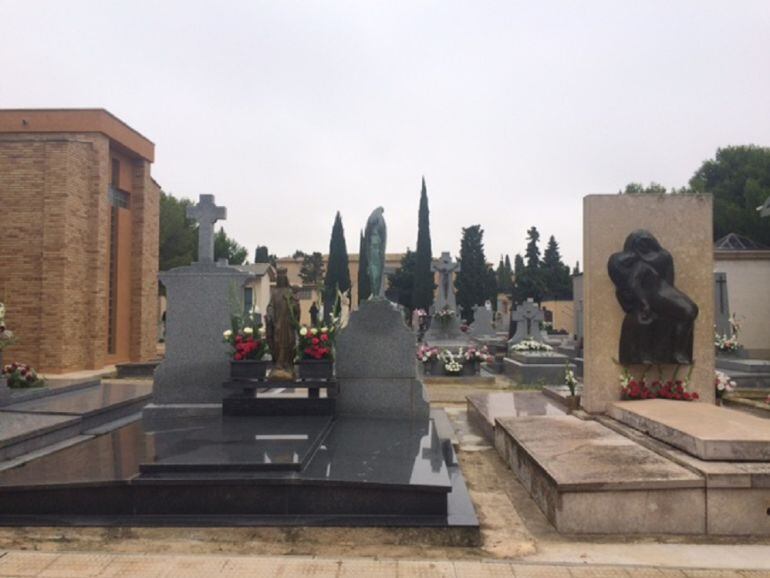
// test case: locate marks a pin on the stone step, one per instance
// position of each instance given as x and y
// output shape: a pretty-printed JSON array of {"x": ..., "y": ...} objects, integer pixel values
[
  {"x": 588, "y": 479},
  {"x": 703, "y": 430},
  {"x": 22, "y": 433}
]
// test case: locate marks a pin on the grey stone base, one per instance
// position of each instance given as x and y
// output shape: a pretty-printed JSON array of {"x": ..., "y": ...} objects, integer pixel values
[
  {"x": 528, "y": 373},
  {"x": 480, "y": 379},
  {"x": 703, "y": 430},
  {"x": 588, "y": 479}
]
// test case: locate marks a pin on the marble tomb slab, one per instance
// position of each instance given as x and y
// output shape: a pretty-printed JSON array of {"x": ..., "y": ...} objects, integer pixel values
[
  {"x": 703, "y": 430},
  {"x": 588, "y": 479},
  {"x": 485, "y": 408}
]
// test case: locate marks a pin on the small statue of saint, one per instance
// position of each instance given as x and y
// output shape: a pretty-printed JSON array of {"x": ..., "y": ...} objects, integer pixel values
[{"x": 282, "y": 315}]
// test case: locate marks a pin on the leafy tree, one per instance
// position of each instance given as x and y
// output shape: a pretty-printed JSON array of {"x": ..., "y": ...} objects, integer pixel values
[
  {"x": 638, "y": 188},
  {"x": 401, "y": 283},
  {"x": 227, "y": 248},
  {"x": 739, "y": 179},
  {"x": 423, "y": 276},
  {"x": 472, "y": 282},
  {"x": 364, "y": 286},
  {"x": 298, "y": 254},
  {"x": 555, "y": 274},
  {"x": 312, "y": 270},
  {"x": 178, "y": 239},
  {"x": 338, "y": 274}
]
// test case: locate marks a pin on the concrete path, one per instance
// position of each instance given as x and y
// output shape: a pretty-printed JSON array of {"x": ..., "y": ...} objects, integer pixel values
[{"x": 104, "y": 565}]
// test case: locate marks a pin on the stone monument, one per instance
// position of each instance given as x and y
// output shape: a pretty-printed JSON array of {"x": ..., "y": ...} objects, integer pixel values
[
  {"x": 446, "y": 334},
  {"x": 721, "y": 305},
  {"x": 683, "y": 225},
  {"x": 376, "y": 365},
  {"x": 483, "y": 323},
  {"x": 527, "y": 317},
  {"x": 199, "y": 307}
]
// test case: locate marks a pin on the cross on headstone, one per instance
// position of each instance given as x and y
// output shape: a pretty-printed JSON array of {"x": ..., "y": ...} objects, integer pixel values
[
  {"x": 445, "y": 267},
  {"x": 527, "y": 317},
  {"x": 206, "y": 213},
  {"x": 721, "y": 305}
]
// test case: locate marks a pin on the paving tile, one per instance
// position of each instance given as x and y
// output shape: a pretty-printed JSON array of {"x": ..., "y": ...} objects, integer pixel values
[
  {"x": 25, "y": 563},
  {"x": 436, "y": 569},
  {"x": 598, "y": 572},
  {"x": 538, "y": 571},
  {"x": 77, "y": 566},
  {"x": 368, "y": 568},
  {"x": 312, "y": 567},
  {"x": 254, "y": 567},
  {"x": 195, "y": 566},
  {"x": 144, "y": 566},
  {"x": 483, "y": 570}
]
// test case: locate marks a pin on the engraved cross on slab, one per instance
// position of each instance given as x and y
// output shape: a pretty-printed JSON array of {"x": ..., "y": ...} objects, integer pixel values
[{"x": 206, "y": 213}]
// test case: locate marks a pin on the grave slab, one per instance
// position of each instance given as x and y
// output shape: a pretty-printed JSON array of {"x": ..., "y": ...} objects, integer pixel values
[
  {"x": 485, "y": 408},
  {"x": 703, "y": 430},
  {"x": 588, "y": 479},
  {"x": 21, "y": 433},
  {"x": 536, "y": 368}
]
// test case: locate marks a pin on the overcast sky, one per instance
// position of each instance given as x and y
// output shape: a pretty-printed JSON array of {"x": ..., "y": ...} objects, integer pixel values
[{"x": 513, "y": 111}]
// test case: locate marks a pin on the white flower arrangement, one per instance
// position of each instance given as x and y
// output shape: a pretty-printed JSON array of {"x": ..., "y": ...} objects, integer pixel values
[
  {"x": 530, "y": 344},
  {"x": 723, "y": 384},
  {"x": 444, "y": 314},
  {"x": 570, "y": 380}
]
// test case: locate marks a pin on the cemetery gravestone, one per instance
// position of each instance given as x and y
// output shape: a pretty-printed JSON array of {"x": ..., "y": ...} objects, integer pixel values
[
  {"x": 483, "y": 322},
  {"x": 682, "y": 224},
  {"x": 199, "y": 298},
  {"x": 527, "y": 317}
]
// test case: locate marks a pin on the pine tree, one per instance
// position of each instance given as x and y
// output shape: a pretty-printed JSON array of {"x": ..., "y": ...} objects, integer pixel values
[
  {"x": 472, "y": 282},
  {"x": 338, "y": 273},
  {"x": 533, "y": 251},
  {"x": 364, "y": 288},
  {"x": 424, "y": 287},
  {"x": 529, "y": 282},
  {"x": 555, "y": 274}
]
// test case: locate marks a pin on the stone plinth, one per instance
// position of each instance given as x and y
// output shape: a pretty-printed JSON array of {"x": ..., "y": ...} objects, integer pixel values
[
  {"x": 199, "y": 307},
  {"x": 376, "y": 365},
  {"x": 588, "y": 479},
  {"x": 683, "y": 225},
  {"x": 536, "y": 367},
  {"x": 702, "y": 430}
]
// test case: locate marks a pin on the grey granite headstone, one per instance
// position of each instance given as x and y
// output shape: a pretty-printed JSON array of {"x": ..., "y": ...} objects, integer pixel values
[
  {"x": 446, "y": 289},
  {"x": 483, "y": 323},
  {"x": 527, "y": 317},
  {"x": 199, "y": 300},
  {"x": 376, "y": 365},
  {"x": 721, "y": 305}
]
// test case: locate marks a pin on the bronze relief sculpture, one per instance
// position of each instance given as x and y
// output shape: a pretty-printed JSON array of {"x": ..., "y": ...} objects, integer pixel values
[{"x": 659, "y": 321}]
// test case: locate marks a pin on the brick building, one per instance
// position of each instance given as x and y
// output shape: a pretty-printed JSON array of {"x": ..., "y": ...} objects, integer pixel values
[{"x": 78, "y": 239}]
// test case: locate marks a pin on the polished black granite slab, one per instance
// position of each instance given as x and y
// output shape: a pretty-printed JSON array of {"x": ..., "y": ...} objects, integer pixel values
[
  {"x": 216, "y": 444},
  {"x": 363, "y": 472},
  {"x": 86, "y": 401}
]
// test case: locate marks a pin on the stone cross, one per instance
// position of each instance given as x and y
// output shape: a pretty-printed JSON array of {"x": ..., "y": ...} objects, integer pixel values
[
  {"x": 446, "y": 292},
  {"x": 721, "y": 305},
  {"x": 527, "y": 317},
  {"x": 206, "y": 213}
]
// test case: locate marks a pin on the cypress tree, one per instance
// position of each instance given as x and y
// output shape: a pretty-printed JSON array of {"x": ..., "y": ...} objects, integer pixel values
[
  {"x": 338, "y": 273},
  {"x": 364, "y": 289},
  {"x": 472, "y": 282},
  {"x": 555, "y": 274},
  {"x": 422, "y": 297}
]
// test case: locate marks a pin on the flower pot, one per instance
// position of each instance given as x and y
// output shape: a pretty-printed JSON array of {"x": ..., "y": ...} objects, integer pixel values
[
  {"x": 573, "y": 403},
  {"x": 315, "y": 369},
  {"x": 471, "y": 368},
  {"x": 248, "y": 369}
]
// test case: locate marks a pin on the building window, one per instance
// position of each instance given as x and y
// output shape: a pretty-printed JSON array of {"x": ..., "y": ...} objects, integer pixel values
[
  {"x": 112, "y": 297},
  {"x": 118, "y": 198},
  {"x": 248, "y": 299},
  {"x": 115, "y": 177}
]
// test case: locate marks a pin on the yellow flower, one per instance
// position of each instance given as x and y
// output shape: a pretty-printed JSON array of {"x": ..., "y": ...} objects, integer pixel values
[
  {"x": 248, "y": 330},
  {"x": 314, "y": 331},
  {"x": 303, "y": 331}
]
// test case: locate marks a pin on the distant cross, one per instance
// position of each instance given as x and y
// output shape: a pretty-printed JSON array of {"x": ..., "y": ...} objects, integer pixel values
[
  {"x": 527, "y": 317},
  {"x": 721, "y": 282},
  {"x": 206, "y": 213},
  {"x": 444, "y": 267}
]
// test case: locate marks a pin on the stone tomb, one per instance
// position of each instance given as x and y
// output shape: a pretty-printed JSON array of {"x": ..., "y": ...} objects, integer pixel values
[
  {"x": 447, "y": 335},
  {"x": 382, "y": 459}
]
